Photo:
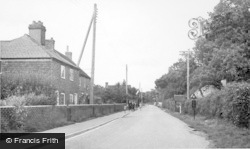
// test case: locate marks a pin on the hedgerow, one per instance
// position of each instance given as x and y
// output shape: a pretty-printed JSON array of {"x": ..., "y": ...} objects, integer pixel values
[{"x": 231, "y": 103}]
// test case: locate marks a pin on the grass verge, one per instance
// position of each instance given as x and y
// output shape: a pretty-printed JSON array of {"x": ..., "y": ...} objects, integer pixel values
[{"x": 222, "y": 134}]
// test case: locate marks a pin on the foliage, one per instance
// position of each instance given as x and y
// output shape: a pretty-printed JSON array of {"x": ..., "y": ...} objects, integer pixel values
[
  {"x": 174, "y": 82},
  {"x": 32, "y": 99},
  {"x": 15, "y": 101},
  {"x": 169, "y": 104},
  {"x": 23, "y": 84},
  {"x": 223, "y": 54},
  {"x": 115, "y": 93},
  {"x": 16, "y": 117},
  {"x": 231, "y": 103},
  {"x": 237, "y": 108}
]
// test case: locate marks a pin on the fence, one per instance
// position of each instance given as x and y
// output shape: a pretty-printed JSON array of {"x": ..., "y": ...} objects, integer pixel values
[{"x": 40, "y": 118}]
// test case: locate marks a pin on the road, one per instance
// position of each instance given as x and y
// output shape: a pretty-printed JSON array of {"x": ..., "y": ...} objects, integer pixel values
[{"x": 148, "y": 128}]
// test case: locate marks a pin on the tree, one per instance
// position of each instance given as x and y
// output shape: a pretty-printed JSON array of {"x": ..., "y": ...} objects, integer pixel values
[
  {"x": 225, "y": 52},
  {"x": 117, "y": 93},
  {"x": 174, "y": 82}
]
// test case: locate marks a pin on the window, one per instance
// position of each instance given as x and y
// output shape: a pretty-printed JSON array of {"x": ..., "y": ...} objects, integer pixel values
[
  {"x": 71, "y": 74},
  {"x": 84, "y": 83},
  {"x": 62, "y": 99},
  {"x": 62, "y": 71},
  {"x": 71, "y": 100},
  {"x": 75, "y": 99},
  {"x": 80, "y": 81},
  {"x": 57, "y": 97}
]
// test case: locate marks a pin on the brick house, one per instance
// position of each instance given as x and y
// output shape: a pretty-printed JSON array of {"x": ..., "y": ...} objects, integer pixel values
[{"x": 33, "y": 53}]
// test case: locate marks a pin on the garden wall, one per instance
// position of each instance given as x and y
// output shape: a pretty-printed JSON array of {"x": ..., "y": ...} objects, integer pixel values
[{"x": 40, "y": 118}]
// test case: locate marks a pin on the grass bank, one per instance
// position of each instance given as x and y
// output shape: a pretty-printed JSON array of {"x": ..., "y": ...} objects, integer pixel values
[{"x": 221, "y": 133}]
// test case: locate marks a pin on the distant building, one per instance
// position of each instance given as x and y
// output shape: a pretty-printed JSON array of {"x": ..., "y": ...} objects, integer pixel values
[
  {"x": 34, "y": 53},
  {"x": 112, "y": 86}
]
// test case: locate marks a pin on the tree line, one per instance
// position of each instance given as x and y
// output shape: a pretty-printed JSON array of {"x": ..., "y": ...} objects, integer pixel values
[{"x": 223, "y": 53}]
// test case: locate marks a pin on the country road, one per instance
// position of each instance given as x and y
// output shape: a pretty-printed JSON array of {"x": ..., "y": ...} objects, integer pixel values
[{"x": 148, "y": 128}]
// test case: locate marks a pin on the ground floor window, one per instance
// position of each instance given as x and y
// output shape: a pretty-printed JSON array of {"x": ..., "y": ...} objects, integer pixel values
[
  {"x": 75, "y": 98},
  {"x": 71, "y": 99},
  {"x": 57, "y": 97},
  {"x": 62, "y": 99}
]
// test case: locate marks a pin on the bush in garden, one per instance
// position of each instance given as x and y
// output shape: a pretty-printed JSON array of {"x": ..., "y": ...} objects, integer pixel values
[
  {"x": 14, "y": 117},
  {"x": 23, "y": 84},
  {"x": 4, "y": 125},
  {"x": 15, "y": 101},
  {"x": 32, "y": 99}
]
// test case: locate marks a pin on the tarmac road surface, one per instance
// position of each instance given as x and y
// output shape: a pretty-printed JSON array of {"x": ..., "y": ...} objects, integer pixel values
[{"x": 148, "y": 128}]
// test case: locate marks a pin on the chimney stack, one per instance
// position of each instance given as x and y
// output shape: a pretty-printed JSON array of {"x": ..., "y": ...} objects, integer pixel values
[
  {"x": 68, "y": 54},
  {"x": 37, "y": 32},
  {"x": 50, "y": 44}
]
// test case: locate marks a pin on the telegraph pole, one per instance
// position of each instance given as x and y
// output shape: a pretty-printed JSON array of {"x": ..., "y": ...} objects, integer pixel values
[
  {"x": 126, "y": 83},
  {"x": 0, "y": 83},
  {"x": 187, "y": 53},
  {"x": 93, "y": 57},
  {"x": 188, "y": 75}
]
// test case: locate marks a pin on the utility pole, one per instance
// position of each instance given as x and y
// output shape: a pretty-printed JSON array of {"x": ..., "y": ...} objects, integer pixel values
[
  {"x": 0, "y": 84},
  {"x": 187, "y": 53},
  {"x": 126, "y": 83},
  {"x": 93, "y": 57},
  {"x": 188, "y": 75}
]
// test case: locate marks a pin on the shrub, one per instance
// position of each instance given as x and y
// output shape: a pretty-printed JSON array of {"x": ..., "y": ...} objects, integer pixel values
[
  {"x": 231, "y": 103},
  {"x": 4, "y": 125},
  {"x": 32, "y": 99},
  {"x": 15, "y": 117},
  {"x": 169, "y": 104},
  {"x": 15, "y": 101},
  {"x": 237, "y": 107},
  {"x": 21, "y": 84}
]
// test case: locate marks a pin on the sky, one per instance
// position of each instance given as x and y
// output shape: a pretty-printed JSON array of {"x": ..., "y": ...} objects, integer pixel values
[{"x": 145, "y": 35}]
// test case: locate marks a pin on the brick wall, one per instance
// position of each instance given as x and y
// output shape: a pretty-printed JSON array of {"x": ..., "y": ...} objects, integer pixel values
[
  {"x": 65, "y": 85},
  {"x": 40, "y": 118},
  {"x": 49, "y": 69},
  {"x": 84, "y": 89},
  {"x": 37, "y": 66}
]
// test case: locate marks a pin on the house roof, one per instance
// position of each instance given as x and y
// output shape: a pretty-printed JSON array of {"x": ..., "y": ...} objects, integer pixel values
[
  {"x": 26, "y": 47},
  {"x": 83, "y": 74}
]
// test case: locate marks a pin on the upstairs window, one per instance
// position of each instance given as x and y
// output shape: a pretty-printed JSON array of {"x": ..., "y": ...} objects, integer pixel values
[
  {"x": 71, "y": 74},
  {"x": 62, "y": 71},
  {"x": 80, "y": 81}
]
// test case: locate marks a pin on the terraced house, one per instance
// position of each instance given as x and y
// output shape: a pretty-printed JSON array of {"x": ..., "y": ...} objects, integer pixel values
[{"x": 34, "y": 54}]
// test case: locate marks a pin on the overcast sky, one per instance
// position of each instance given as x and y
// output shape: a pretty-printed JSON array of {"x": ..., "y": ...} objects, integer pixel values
[{"x": 147, "y": 35}]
